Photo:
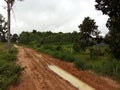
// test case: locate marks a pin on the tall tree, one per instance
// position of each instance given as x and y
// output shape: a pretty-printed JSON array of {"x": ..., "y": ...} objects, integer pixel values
[
  {"x": 88, "y": 28},
  {"x": 25, "y": 38},
  {"x": 3, "y": 28},
  {"x": 112, "y": 9},
  {"x": 10, "y": 4},
  {"x": 15, "y": 37}
]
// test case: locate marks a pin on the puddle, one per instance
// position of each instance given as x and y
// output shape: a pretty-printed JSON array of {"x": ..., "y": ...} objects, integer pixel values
[{"x": 70, "y": 78}]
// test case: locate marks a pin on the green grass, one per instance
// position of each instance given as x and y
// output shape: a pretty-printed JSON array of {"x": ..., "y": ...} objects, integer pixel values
[
  {"x": 101, "y": 63},
  {"x": 9, "y": 70},
  {"x": 96, "y": 58},
  {"x": 3, "y": 47}
]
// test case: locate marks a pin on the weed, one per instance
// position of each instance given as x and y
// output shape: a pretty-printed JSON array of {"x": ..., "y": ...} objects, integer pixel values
[
  {"x": 94, "y": 58},
  {"x": 80, "y": 64},
  {"x": 9, "y": 71}
]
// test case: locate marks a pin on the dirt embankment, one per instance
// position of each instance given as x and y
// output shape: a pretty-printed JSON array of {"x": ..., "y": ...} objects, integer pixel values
[{"x": 37, "y": 75}]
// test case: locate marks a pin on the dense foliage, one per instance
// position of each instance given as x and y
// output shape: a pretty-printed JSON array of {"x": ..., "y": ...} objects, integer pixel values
[
  {"x": 95, "y": 58},
  {"x": 9, "y": 71},
  {"x": 88, "y": 29},
  {"x": 112, "y": 9},
  {"x": 3, "y": 28},
  {"x": 14, "y": 38},
  {"x": 40, "y": 38},
  {"x": 88, "y": 26}
]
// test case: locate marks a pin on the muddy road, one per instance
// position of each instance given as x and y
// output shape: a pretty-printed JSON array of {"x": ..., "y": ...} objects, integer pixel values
[{"x": 38, "y": 76}]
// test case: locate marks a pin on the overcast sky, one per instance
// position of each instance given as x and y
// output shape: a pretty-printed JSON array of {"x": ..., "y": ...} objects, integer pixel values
[{"x": 53, "y": 15}]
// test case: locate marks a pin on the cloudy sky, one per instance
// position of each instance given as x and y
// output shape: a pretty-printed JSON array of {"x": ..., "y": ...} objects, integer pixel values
[{"x": 53, "y": 15}]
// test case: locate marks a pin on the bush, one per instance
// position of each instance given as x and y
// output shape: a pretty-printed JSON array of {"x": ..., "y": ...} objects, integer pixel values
[
  {"x": 76, "y": 47},
  {"x": 9, "y": 71},
  {"x": 59, "y": 48},
  {"x": 80, "y": 64},
  {"x": 7, "y": 56},
  {"x": 45, "y": 47},
  {"x": 107, "y": 51},
  {"x": 95, "y": 52},
  {"x": 108, "y": 68},
  {"x": 104, "y": 65},
  {"x": 65, "y": 56},
  {"x": 60, "y": 55}
]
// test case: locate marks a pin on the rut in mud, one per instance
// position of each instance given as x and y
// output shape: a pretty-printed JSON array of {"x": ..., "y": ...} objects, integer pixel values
[{"x": 38, "y": 76}]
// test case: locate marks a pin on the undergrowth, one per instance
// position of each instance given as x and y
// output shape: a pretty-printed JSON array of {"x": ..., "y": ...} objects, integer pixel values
[
  {"x": 101, "y": 64},
  {"x": 9, "y": 70}
]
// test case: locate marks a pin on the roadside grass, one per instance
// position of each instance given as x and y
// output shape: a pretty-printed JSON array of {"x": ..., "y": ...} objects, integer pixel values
[
  {"x": 100, "y": 62},
  {"x": 9, "y": 70},
  {"x": 3, "y": 47}
]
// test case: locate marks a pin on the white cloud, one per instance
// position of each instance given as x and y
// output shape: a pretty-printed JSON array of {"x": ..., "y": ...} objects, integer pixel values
[
  {"x": 3, "y": 8},
  {"x": 55, "y": 15}
]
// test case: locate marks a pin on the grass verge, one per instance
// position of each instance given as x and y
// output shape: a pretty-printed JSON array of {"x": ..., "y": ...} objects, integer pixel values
[
  {"x": 102, "y": 65},
  {"x": 9, "y": 70}
]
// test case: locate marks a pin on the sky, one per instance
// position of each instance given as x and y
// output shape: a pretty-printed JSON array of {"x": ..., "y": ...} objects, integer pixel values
[{"x": 53, "y": 15}]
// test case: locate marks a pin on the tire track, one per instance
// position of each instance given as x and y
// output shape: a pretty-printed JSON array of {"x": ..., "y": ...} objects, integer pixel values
[{"x": 37, "y": 75}]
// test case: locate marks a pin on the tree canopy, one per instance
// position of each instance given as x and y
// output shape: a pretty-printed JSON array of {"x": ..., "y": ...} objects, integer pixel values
[
  {"x": 112, "y": 9},
  {"x": 47, "y": 37},
  {"x": 3, "y": 28},
  {"x": 88, "y": 26},
  {"x": 109, "y": 7},
  {"x": 88, "y": 29}
]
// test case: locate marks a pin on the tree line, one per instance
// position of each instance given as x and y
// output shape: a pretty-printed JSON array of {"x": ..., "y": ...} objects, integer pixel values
[
  {"x": 88, "y": 35},
  {"x": 47, "y": 37},
  {"x": 3, "y": 31},
  {"x": 88, "y": 29}
]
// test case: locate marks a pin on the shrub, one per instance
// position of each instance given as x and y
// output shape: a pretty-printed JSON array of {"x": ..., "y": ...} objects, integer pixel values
[
  {"x": 95, "y": 52},
  {"x": 107, "y": 51},
  {"x": 80, "y": 64},
  {"x": 104, "y": 66},
  {"x": 45, "y": 47},
  {"x": 69, "y": 58},
  {"x": 108, "y": 68},
  {"x": 7, "y": 56},
  {"x": 76, "y": 47},
  {"x": 9, "y": 71},
  {"x": 59, "y": 48},
  {"x": 61, "y": 55}
]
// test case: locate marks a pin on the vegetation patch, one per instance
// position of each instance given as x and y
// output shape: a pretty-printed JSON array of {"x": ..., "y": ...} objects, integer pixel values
[
  {"x": 81, "y": 48},
  {"x": 99, "y": 62},
  {"x": 9, "y": 71}
]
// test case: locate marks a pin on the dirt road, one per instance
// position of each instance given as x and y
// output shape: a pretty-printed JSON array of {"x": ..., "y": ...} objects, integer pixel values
[{"x": 37, "y": 75}]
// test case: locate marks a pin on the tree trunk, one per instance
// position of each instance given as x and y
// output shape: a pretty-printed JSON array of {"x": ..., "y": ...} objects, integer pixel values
[{"x": 8, "y": 33}]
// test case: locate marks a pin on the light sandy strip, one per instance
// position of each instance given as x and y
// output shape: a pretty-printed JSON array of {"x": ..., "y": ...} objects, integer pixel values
[
  {"x": 70, "y": 78},
  {"x": 16, "y": 46},
  {"x": 38, "y": 55}
]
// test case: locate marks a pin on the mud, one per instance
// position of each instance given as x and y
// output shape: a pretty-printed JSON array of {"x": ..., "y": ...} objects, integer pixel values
[{"x": 37, "y": 75}]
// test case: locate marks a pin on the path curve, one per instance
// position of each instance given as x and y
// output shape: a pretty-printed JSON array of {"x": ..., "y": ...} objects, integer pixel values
[{"x": 37, "y": 75}]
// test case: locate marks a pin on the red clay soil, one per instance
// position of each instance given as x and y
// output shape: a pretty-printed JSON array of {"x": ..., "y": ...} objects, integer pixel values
[{"x": 37, "y": 75}]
